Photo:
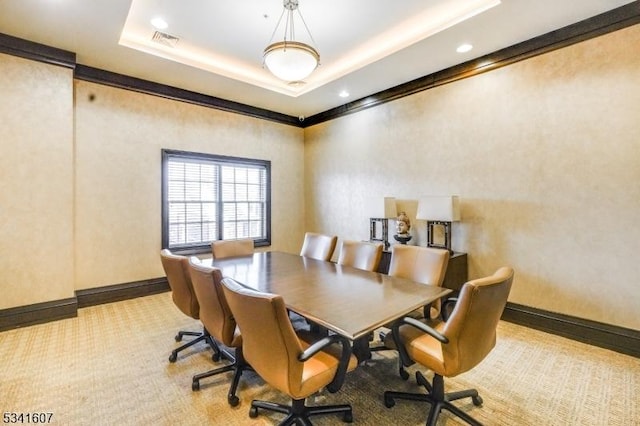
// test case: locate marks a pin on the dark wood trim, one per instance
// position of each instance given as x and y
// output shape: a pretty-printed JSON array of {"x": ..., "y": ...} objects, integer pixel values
[
  {"x": 38, "y": 52},
  {"x": 38, "y": 313},
  {"x": 604, "y": 23},
  {"x": 118, "y": 292},
  {"x": 95, "y": 75},
  {"x": 619, "y": 339}
]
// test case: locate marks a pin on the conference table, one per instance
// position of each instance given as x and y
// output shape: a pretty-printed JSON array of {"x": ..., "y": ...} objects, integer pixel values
[{"x": 342, "y": 299}]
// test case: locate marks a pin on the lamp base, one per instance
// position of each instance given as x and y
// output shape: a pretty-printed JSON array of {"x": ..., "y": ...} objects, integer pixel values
[
  {"x": 446, "y": 235},
  {"x": 373, "y": 232}
]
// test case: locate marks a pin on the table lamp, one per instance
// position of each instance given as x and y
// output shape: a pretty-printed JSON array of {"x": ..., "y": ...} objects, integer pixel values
[
  {"x": 380, "y": 210},
  {"x": 439, "y": 212}
]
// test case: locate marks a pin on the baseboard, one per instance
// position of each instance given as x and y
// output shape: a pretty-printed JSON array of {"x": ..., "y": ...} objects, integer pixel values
[
  {"x": 118, "y": 292},
  {"x": 619, "y": 339},
  {"x": 38, "y": 313},
  {"x": 606, "y": 336}
]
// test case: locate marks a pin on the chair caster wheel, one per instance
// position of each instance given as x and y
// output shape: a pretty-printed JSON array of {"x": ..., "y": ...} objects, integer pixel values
[
  {"x": 477, "y": 400},
  {"x": 347, "y": 417},
  {"x": 253, "y": 412},
  {"x": 195, "y": 386},
  {"x": 389, "y": 402},
  {"x": 178, "y": 338},
  {"x": 404, "y": 375},
  {"x": 173, "y": 357},
  {"x": 233, "y": 400}
]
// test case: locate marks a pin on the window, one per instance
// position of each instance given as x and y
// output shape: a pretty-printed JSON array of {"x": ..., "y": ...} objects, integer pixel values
[{"x": 211, "y": 197}]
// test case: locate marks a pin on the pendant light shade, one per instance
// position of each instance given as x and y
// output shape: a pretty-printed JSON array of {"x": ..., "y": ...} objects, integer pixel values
[{"x": 290, "y": 60}]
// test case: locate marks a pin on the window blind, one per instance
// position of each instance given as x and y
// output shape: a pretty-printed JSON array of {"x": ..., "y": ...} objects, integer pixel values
[{"x": 208, "y": 197}]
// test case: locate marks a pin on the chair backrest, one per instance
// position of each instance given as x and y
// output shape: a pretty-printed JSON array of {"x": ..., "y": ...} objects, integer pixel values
[
  {"x": 318, "y": 246},
  {"x": 360, "y": 254},
  {"x": 421, "y": 264},
  {"x": 270, "y": 344},
  {"x": 214, "y": 310},
  {"x": 177, "y": 270},
  {"x": 471, "y": 328},
  {"x": 231, "y": 248}
]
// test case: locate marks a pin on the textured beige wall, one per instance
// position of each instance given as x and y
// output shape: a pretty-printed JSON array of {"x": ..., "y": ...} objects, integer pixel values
[
  {"x": 36, "y": 182},
  {"x": 545, "y": 155},
  {"x": 119, "y": 137}
]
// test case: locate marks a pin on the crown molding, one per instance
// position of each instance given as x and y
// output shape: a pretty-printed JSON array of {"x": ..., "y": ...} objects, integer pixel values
[
  {"x": 613, "y": 20},
  {"x": 35, "y": 51}
]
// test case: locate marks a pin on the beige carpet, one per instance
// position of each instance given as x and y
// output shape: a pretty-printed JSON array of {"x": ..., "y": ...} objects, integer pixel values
[{"x": 109, "y": 366}]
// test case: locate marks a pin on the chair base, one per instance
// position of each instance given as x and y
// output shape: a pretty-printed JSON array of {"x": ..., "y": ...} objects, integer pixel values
[
  {"x": 438, "y": 400},
  {"x": 299, "y": 413},
  {"x": 404, "y": 375},
  {"x": 238, "y": 366},
  {"x": 199, "y": 337}
]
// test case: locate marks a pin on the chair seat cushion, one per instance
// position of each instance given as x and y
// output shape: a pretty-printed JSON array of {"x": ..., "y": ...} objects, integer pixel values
[
  {"x": 320, "y": 369},
  {"x": 421, "y": 347}
]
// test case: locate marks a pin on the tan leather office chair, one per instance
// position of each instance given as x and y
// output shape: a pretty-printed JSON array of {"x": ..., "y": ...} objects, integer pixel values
[
  {"x": 360, "y": 254},
  {"x": 421, "y": 264},
  {"x": 283, "y": 359},
  {"x": 453, "y": 347},
  {"x": 318, "y": 246},
  {"x": 217, "y": 318},
  {"x": 177, "y": 270},
  {"x": 231, "y": 248}
]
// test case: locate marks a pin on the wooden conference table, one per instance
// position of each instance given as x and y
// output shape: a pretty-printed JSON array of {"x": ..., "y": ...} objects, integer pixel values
[{"x": 345, "y": 300}]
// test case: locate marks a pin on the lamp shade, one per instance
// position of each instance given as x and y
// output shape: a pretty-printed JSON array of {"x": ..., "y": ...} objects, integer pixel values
[
  {"x": 291, "y": 60},
  {"x": 381, "y": 207},
  {"x": 436, "y": 208}
]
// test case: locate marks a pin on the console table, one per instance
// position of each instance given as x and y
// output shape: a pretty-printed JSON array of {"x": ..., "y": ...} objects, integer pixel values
[{"x": 455, "y": 277}]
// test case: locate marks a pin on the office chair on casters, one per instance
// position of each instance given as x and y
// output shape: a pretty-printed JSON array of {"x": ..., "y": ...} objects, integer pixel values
[
  {"x": 421, "y": 264},
  {"x": 222, "y": 249},
  {"x": 286, "y": 360},
  {"x": 217, "y": 318},
  {"x": 454, "y": 347},
  {"x": 177, "y": 270},
  {"x": 318, "y": 246}
]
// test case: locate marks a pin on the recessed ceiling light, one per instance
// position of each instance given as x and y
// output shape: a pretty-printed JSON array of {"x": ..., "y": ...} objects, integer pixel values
[
  {"x": 463, "y": 48},
  {"x": 343, "y": 94},
  {"x": 159, "y": 23}
]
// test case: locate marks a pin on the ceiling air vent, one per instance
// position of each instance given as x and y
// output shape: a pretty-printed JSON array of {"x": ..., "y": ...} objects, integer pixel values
[{"x": 164, "y": 38}]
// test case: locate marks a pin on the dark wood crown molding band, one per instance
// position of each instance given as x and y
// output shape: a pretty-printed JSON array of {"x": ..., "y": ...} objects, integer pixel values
[
  {"x": 607, "y": 22},
  {"x": 618, "y": 339},
  {"x": 604, "y": 23},
  {"x": 37, "y": 52},
  {"x": 95, "y": 75}
]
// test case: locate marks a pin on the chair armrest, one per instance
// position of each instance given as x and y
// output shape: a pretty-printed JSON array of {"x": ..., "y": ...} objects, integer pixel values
[
  {"x": 402, "y": 350},
  {"x": 425, "y": 328},
  {"x": 444, "y": 312},
  {"x": 317, "y": 347},
  {"x": 343, "y": 363}
]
